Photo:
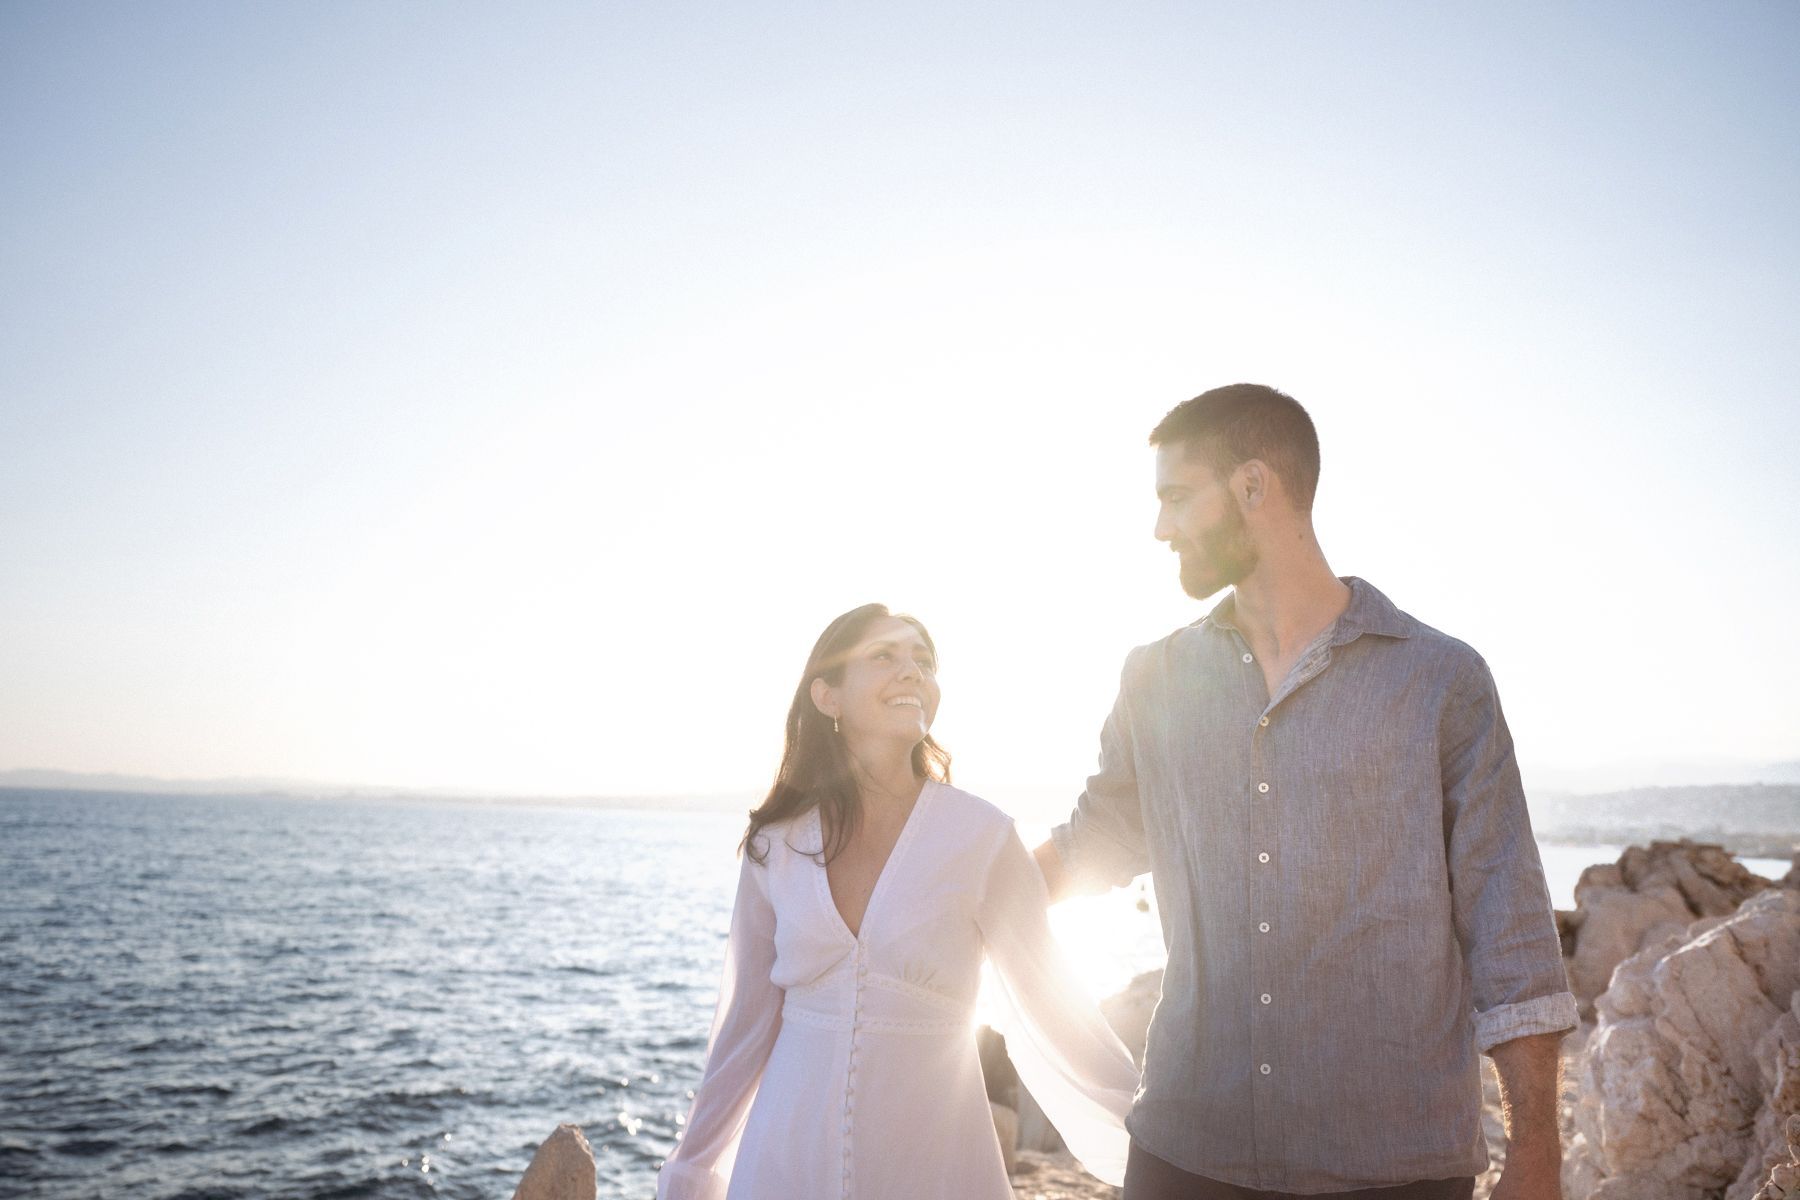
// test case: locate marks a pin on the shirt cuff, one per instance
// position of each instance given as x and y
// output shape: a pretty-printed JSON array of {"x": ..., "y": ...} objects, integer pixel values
[
  {"x": 1555, "y": 1013},
  {"x": 684, "y": 1181}
]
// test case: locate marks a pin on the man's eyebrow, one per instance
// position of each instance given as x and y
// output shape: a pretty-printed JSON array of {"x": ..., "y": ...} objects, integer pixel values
[{"x": 1164, "y": 490}]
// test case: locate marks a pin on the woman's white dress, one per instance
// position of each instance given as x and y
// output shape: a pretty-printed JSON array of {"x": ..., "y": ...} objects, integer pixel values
[{"x": 845, "y": 1065}]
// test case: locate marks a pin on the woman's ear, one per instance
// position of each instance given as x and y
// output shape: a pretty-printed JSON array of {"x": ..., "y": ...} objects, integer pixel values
[{"x": 824, "y": 698}]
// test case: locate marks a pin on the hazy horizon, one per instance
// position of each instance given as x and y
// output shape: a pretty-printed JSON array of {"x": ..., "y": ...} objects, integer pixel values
[{"x": 1586, "y": 782}]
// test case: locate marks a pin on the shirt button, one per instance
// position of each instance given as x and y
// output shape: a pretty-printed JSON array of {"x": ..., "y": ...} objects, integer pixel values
[
  {"x": 1266, "y": 998},
  {"x": 1263, "y": 857},
  {"x": 1263, "y": 722},
  {"x": 1263, "y": 928},
  {"x": 1264, "y": 1068},
  {"x": 1249, "y": 658},
  {"x": 1263, "y": 788}
]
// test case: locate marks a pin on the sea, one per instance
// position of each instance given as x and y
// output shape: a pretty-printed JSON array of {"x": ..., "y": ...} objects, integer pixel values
[{"x": 213, "y": 997}]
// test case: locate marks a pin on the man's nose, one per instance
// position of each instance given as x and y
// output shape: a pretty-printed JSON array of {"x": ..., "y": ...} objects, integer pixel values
[
  {"x": 909, "y": 668},
  {"x": 1165, "y": 528}
]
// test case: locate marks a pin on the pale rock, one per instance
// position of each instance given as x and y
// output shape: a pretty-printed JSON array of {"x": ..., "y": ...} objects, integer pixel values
[
  {"x": 1006, "y": 1128},
  {"x": 1672, "y": 1089},
  {"x": 1783, "y": 1182},
  {"x": 1772, "y": 1141},
  {"x": 1036, "y": 1133},
  {"x": 1040, "y": 1175},
  {"x": 562, "y": 1168},
  {"x": 1650, "y": 894}
]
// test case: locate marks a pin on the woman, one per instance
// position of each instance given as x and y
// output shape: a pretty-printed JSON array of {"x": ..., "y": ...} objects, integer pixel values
[{"x": 842, "y": 1061}]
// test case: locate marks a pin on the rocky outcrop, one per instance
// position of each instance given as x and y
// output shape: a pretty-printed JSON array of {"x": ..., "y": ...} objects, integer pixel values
[
  {"x": 1650, "y": 894},
  {"x": 1040, "y": 1175},
  {"x": 1783, "y": 1182},
  {"x": 1690, "y": 1072},
  {"x": 1006, "y": 1128},
  {"x": 1775, "y": 1142},
  {"x": 562, "y": 1168}
]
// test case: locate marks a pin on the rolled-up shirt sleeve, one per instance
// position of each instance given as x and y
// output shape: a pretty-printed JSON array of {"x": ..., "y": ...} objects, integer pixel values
[
  {"x": 1504, "y": 920},
  {"x": 1102, "y": 843}
]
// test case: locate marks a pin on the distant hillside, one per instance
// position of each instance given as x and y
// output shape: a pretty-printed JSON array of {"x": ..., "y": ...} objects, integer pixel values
[
  {"x": 90, "y": 781},
  {"x": 1761, "y": 820},
  {"x": 25, "y": 782}
]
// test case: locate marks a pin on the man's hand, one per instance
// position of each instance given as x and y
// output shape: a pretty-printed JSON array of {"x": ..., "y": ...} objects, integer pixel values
[
  {"x": 1050, "y": 865},
  {"x": 1529, "y": 1070}
]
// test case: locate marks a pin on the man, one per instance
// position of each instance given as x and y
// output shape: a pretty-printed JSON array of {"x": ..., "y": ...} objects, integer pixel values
[{"x": 1324, "y": 791}]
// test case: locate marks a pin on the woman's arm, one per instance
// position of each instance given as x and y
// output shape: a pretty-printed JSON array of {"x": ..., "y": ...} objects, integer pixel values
[
  {"x": 743, "y": 1033},
  {"x": 1068, "y": 1057}
]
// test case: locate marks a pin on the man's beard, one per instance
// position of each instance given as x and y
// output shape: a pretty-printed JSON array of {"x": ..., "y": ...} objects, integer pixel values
[{"x": 1221, "y": 557}]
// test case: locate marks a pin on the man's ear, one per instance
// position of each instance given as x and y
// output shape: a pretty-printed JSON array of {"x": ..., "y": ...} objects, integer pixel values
[
  {"x": 823, "y": 699},
  {"x": 1250, "y": 483}
]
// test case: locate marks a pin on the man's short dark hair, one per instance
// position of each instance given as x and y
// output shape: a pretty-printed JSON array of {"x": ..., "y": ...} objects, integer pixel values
[{"x": 1234, "y": 424}]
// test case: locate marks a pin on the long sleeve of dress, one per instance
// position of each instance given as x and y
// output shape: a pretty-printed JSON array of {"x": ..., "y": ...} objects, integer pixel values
[
  {"x": 743, "y": 1032},
  {"x": 1066, "y": 1054}
]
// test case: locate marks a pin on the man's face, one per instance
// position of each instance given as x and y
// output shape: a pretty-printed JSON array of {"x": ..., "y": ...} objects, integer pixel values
[{"x": 1201, "y": 521}]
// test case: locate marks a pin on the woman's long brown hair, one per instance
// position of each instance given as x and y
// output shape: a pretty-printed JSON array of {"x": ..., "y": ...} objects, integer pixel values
[{"x": 815, "y": 769}]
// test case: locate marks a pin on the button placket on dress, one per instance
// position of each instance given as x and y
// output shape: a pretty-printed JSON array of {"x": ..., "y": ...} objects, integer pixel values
[{"x": 856, "y": 1033}]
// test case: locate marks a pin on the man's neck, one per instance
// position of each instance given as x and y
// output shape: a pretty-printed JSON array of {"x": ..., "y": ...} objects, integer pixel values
[{"x": 1289, "y": 600}]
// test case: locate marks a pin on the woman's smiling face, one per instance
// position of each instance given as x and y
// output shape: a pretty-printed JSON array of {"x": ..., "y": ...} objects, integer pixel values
[{"x": 889, "y": 689}]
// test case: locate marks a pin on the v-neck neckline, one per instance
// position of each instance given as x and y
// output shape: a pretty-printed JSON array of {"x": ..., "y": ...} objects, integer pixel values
[{"x": 881, "y": 878}]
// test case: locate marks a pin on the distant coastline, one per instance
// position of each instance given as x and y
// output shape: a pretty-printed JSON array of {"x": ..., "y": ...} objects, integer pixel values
[
  {"x": 1753, "y": 820},
  {"x": 1756, "y": 820}
]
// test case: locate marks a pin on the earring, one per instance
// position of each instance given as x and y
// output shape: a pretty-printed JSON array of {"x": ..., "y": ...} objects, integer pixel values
[{"x": 834, "y": 727}]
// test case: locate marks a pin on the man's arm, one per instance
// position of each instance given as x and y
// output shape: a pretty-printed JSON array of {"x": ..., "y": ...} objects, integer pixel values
[
  {"x": 1102, "y": 844},
  {"x": 1500, "y": 905},
  {"x": 1530, "y": 1070}
]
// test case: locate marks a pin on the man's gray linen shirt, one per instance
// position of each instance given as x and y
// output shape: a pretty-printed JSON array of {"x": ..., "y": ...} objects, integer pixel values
[{"x": 1350, "y": 895}]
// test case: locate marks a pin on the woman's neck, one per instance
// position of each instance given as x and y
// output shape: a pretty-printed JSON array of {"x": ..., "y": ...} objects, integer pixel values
[{"x": 884, "y": 777}]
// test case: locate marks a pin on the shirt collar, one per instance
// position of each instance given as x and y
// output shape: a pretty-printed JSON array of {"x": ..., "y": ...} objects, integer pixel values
[{"x": 1369, "y": 612}]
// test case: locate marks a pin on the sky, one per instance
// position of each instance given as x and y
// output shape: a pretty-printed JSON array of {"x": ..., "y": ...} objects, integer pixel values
[{"x": 504, "y": 397}]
